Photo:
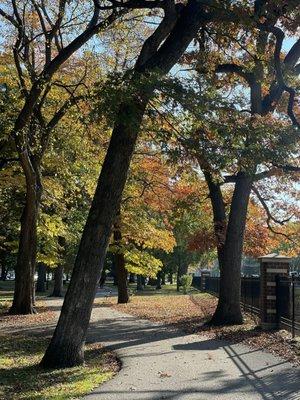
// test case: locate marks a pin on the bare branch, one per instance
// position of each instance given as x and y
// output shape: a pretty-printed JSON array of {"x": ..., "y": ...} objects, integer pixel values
[
  {"x": 293, "y": 55},
  {"x": 236, "y": 69},
  {"x": 270, "y": 217},
  {"x": 9, "y": 18},
  {"x": 288, "y": 168}
]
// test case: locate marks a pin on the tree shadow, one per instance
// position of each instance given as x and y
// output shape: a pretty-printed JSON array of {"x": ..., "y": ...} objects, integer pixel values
[{"x": 259, "y": 375}]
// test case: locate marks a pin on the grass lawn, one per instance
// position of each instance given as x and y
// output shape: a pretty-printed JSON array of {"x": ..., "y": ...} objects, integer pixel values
[
  {"x": 6, "y": 295},
  {"x": 21, "y": 377},
  {"x": 20, "y": 354},
  {"x": 7, "y": 292}
]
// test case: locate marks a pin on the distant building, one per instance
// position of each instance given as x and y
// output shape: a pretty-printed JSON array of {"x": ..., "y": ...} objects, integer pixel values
[{"x": 250, "y": 267}]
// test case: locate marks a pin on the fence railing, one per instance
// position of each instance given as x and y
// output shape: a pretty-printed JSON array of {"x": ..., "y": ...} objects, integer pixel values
[
  {"x": 288, "y": 304},
  {"x": 287, "y": 298}
]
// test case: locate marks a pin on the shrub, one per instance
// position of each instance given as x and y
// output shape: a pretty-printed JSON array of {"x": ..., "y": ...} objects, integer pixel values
[{"x": 186, "y": 282}]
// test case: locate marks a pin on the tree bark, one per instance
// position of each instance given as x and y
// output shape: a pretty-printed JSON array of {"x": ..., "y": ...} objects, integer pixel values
[
  {"x": 26, "y": 260},
  {"x": 59, "y": 270},
  {"x": 219, "y": 214},
  {"x": 58, "y": 281},
  {"x": 171, "y": 279},
  {"x": 178, "y": 279},
  {"x": 123, "y": 296},
  {"x": 66, "y": 346},
  {"x": 114, "y": 273},
  {"x": 182, "y": 270},
  {"x": 41, "y": 281},
  {"x": 158, "y": 281},
  {"x": 152, "y": 282},
  {"x": 102, "y": 278},
  {"x": 139, "y": 283},
  {"x": 228, "y": 311}
]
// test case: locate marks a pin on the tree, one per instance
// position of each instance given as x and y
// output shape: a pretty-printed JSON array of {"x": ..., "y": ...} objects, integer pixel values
[
  {"x": 159, "y": 54},
  {"x": 241, "y": 136},
  {"x": 145, "y": 206},
  {"x": 35, "y": 26}
]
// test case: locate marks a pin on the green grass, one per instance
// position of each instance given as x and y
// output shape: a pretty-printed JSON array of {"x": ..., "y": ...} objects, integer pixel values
[
  {"x": 22, "y": 378},
  {"x": 7, "y": 293},
  {"x": 166, "y": 290}
]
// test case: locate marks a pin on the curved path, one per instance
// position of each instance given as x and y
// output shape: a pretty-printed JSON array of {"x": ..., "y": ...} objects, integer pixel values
[{"x": 161, "y": 363}]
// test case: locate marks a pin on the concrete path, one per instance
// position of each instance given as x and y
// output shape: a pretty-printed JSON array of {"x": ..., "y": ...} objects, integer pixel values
[{"x": 160, "y": 363}]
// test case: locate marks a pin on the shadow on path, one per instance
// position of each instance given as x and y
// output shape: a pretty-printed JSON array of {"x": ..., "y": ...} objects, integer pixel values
[{"x": 196, "y": 367}]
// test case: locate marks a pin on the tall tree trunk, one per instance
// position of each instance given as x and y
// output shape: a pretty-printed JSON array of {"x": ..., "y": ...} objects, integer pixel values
[
  {"x": 178, "y": 279},
  {"x": 41, "y": 281},
  {"x": 219, "y": 213},
  {"x": 123, "y": 296},
  {"x": 163, "y": 279},
  {"x": 66, "y": 346},
  {"x": 229, "y": 309},
  {"x": 102, "y": 278},
  {"x": 158, "y": 281},
  {"x": 59, "y": 270},
  {"x": 114, "y": 272},
  {"x": 139, "y": 283},
  {"x": 182, "y": 270},
  {"x": 26, "y": 260},
  {"x": 152, "y": 282},
  {"x": 171, "y": 279},
  {"x": 58, "y": 281}
]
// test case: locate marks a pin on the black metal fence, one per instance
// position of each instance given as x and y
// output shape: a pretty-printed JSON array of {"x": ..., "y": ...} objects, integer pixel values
[
  {"x": 250, "y": 290},
  {"x": 288, "y": 304},
  {"x": 287, "y": 298}
]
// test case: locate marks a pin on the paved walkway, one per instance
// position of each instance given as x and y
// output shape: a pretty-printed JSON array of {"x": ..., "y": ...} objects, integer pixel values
[{"x": 159, "y": 363}]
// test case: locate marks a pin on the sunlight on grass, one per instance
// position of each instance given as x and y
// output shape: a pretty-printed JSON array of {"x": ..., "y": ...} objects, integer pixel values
[{"x": 21, "y": 377}]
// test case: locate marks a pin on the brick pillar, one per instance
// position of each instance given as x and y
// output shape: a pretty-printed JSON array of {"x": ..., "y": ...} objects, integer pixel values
[
  {"x": 204, "y": 275},
  {"x": 271, "y": 266}
]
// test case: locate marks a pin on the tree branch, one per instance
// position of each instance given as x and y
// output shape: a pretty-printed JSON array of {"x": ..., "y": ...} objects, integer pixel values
[
  {"x": 236, "y": 69},
  {"x": 270, "y": 217},
  {"x": 161, "y": 32}
]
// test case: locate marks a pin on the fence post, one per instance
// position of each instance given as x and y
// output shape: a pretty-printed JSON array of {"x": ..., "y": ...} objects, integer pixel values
[
  {"x": 204, "y": 275},
  {"x": 252, "y": 297},
  {"x": 271, "y": 266},
  {"x": 293, "y": 307}
]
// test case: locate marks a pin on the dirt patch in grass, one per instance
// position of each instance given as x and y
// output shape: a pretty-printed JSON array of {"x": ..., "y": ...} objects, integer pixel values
[
  {"x": 22, "y": 378},
  {"x": 190, "y": 313}
]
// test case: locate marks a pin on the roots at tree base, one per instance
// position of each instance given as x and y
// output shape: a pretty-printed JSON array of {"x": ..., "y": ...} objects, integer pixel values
[
  {"x": 226, "y": 315},
  {"x": 62, "y": 356}
]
